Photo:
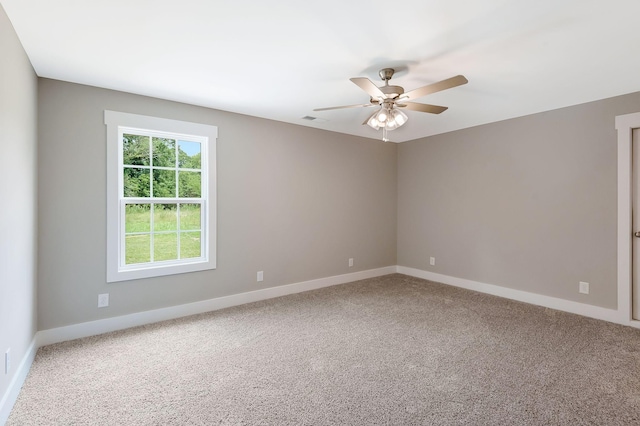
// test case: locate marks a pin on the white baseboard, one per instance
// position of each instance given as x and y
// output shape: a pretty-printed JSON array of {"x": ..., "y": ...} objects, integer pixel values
[
  {"x": 611, "y": 315},
  {"x": 92, "y": 328},
  {"x": 11, "y": 395}
]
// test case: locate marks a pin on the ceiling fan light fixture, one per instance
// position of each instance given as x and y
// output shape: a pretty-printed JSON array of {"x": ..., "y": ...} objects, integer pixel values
[
  {"x": 391, "y": 124},
  {"x": 387, "y": 118},
  {"x": 396, "y": 119},
  {"x": 373, "y": 122}
]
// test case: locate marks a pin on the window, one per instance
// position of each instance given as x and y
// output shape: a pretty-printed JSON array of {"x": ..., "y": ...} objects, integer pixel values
[{"x": 160, "y": 196}]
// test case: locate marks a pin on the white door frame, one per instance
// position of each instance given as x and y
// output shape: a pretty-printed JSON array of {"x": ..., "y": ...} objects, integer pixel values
[{"x": 625, "y": 125}]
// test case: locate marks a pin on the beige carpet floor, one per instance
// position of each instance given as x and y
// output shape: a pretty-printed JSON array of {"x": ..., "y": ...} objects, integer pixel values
[{"x": 393, "y": 350}]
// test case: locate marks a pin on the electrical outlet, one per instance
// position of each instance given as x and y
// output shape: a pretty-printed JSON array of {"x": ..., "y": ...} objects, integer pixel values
[
  {"x": 432, "y": 261},
  {"x": 7, "y": 361},
  {"x": 103, "y": 300},
  {"x": 260, "y": 276},
  {"x": 583, "y": 287},
  {"x": 350, "y": 262}
]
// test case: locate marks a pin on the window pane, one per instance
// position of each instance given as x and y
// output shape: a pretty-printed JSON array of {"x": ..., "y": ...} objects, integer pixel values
[
  {"x": 137, "y": 249},
  {"x": 137, "y": 218},
  {"x": 189, "y": 155},
  {"x": 164, "y": 183},
  {"x": 165, "y": 246},
  {"x": 164, "y": 152},
  {"x": 189, "y": 217},
  {"x": 189, "y": 245},
  {"x": 136, "y": 182},
  {"x": 165, "y": 217},
  {"x": 135, "y": 150},
  {"x": 189, "y": 184}
]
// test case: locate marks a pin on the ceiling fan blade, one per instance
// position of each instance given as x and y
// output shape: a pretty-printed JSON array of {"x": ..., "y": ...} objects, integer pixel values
[
  {"x": 344, "y": 106},
  {"x": 368, "y": 86},
  {"x": 435, "y": 87},
  {"x": 414, "y": 106}
]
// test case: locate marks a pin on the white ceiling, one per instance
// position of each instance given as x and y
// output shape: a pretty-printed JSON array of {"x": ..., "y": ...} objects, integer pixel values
[{"x": 280, "y": 59}]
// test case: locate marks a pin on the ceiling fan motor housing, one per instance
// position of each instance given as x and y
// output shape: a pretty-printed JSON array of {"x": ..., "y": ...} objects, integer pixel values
[{"x": 392, "y": 91}]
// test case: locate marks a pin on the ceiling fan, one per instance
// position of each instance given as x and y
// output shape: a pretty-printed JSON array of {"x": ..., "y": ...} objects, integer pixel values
[{"x": 391, "y": 99}]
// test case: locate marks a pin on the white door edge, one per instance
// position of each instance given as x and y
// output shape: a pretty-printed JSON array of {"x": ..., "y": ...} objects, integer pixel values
[{"x": 625, "y": 125}]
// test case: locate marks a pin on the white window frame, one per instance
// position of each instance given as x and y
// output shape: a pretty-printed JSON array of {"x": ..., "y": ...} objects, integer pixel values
[{"x": 118, "y": 123}]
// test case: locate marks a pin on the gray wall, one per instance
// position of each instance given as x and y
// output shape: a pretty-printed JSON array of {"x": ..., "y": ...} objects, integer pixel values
[
  {"x": 293, "y": 201},
  {"x": 18, "y": 107},
  {"x": 527, "y": 203}
]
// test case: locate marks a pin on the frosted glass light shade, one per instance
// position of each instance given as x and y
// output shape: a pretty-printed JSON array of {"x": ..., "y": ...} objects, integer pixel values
[{"x": 387, "y": 118}]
